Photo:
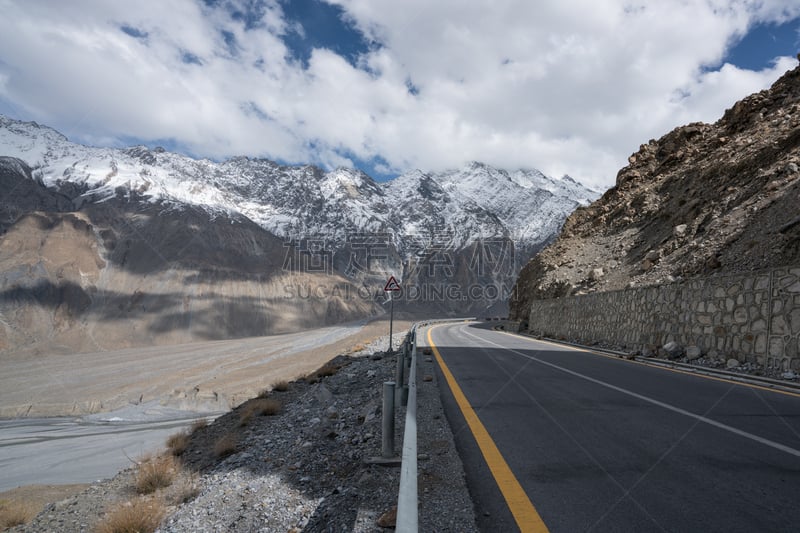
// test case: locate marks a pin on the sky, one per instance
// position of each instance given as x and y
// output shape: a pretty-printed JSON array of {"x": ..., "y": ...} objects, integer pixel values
[{"x": 563, "y": 86}]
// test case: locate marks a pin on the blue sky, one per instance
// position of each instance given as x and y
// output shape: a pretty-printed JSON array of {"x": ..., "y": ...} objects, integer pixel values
[
  {"x": 568, "y": 87},
  {"x": 763, "y": 43},
  {"x": 323, "y": 26}
]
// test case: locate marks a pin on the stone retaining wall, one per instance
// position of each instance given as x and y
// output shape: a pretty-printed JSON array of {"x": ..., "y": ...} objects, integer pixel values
[{"x": 751, "y": 317}]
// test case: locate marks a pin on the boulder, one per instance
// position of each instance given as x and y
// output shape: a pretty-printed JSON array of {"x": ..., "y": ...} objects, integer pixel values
[
  {"x": 370, "y": 411},
  {"x": 322, "y": 394},
  {"x": 693, "y": 352},
  {"x": 732, "y": 363},
  {"x": 388, "y": 519},
  {"x": 673, "y": 350},
  {"x": 596, "y": 274}
]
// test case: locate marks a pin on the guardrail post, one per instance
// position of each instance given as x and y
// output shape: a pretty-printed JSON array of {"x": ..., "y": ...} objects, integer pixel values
[
  {"x": 409, "y": 361},
  {"x": 387, "y": 449},
  {"x": 398, "y": 375}
]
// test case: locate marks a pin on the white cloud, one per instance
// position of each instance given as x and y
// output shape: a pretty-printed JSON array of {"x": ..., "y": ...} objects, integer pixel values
[{"x": 565, "y": 86}]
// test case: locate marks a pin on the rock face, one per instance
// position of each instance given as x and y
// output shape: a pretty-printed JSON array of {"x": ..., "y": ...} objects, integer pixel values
[{"x": 705, "y": 199}]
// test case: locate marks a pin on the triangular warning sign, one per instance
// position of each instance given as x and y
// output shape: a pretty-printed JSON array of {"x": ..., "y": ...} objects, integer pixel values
[{"x": 392, "y": 285}]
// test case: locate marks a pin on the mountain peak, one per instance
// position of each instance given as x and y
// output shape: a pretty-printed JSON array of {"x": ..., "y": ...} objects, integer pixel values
[{"x": 477, "y": 200}]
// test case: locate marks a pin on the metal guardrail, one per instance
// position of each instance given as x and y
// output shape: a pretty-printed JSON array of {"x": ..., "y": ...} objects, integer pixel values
[
  {"x": 407, "y": 500},
  {"x": 407, "y": 509}
]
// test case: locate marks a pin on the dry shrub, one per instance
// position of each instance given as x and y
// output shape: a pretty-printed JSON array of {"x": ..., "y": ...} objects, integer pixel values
[
  {"x": 280, "y": 386},
  {"x": 225, "y": 445},
  {"x": 15, "y": 513},
  {"x": 198, "y": 425},
  {"x": 258, "y": 407},
  {"x": 156, "y": 473},
  {"x": 187, "y": 490},
  {"x": 357, "y": 348},
  {"x": 142, "y": 515},
  {"x": 265, "y": 407},
  {"x": 178, "y": 443},
  {"x": 245, "y": 416},
  {"x": 327, "y": 370}
]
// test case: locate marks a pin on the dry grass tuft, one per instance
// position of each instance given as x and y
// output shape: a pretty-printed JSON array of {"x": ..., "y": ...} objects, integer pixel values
[
  {"x": 178, "y": 443},
  {"x": 280, "y": 386},
  {"x": 142, "y": 515},
  {"x": 258, "y": 407},
  {"x": 15, "y": 513},
  {"x": 225, "y": 445},
  {"x": 187, "y": 490},
  {"x": 327, "y": 370},
  {"x": 156, "y": 473},
  {"x": 266, "y": 407},
  {"x": 245, "y": 417},
  {"x": 198, "y": 425}
]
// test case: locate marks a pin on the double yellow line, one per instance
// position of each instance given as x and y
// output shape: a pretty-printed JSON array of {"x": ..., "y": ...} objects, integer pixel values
[{"x": 525, "y": 514}]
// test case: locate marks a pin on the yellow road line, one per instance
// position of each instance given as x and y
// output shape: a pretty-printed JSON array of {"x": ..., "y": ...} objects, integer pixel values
[
  {"x": 522, "y": 509},
  {"x": 676, "y": 370}
]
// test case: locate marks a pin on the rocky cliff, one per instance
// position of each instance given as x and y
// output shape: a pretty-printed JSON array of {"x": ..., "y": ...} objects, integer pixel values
[{"x": 704, "y": 199}]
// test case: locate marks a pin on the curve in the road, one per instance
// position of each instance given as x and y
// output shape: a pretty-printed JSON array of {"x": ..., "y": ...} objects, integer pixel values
[{"x": 606, "y": 444}]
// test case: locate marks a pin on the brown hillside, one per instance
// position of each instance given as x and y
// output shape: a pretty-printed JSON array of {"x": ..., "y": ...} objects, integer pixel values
[
  {"x": 123, "y": 273},
  {"x": 703, "y": 199}
]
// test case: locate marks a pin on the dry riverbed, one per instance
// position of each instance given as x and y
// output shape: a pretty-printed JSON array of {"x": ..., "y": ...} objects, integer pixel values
[{"x": 202, "y": 376}]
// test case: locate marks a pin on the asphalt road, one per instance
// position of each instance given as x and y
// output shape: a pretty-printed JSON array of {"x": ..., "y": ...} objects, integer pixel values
[{"x": 597, "y": 443}]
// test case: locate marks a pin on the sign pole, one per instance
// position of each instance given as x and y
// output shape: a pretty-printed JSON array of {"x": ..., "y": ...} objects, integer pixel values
[
  {"x": 390, "y": 287},
  {"x": 391, "y": 319}
]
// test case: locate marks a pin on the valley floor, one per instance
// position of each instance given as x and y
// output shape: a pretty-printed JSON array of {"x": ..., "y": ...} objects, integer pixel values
[
  {"x": 204, "y": 376},
  {"x": 84, "y": 416}
]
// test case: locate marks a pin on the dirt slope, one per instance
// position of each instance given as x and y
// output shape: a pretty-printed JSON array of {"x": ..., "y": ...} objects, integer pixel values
[{"x": 704, "y": 199}]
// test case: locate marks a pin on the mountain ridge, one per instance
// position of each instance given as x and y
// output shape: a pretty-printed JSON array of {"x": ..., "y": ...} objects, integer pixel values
[
  {"x": 232, "y": 185},
  {"x": 137, "y": 245}
]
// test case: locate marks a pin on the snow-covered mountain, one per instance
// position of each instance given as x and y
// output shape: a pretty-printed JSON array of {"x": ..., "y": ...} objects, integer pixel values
[
  {"x": 185, "y": 248},
  {"x": 475, "y": 202}
]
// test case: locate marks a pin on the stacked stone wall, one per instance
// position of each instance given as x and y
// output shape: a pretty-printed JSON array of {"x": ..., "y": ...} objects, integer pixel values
[{"x": 751, "y": 317}]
